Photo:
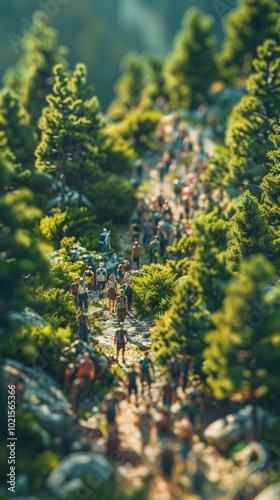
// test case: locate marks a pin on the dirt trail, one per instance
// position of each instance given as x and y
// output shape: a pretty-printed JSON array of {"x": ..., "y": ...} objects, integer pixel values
[{"x": 138, "y": 335}]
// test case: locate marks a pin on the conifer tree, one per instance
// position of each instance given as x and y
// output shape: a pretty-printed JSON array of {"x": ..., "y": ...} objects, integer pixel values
[
  {"x": 252, "y": 121},
  {"x": 242, "y": 351},
  {"x": 32, "y": 77},
  {"x": 20, "y": 252},
  {"x": 16, "y": 136},
  {"x": 129, "y": 88},
  {"x": 249, "y": 232},
  {"x": 70, "y": 126},
  {"x": 271, "y": 185},
  {"x": 191, "y": 68},
  {"x": 155, "y": 80},
  {"x": 188, "y": 319},
  {"x": 247, "y": 27}
]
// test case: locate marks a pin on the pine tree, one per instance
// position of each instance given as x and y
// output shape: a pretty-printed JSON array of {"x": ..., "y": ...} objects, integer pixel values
[
  {"x": 183, "y": 326},
  {"x": 191, "y": 68},
  {"x": 243, "y": 349},
  {"x": 252, "y": 121},
  {"x": 247, "y": 27},
  {"x": 89, "y": 154},
  {"x": 249, "y": 232},
  {"x": 33, "y": 77},
  {"x": 20, "y": 252},
  {"x": 189, "y": 317},
  {"x": 271, "y": 185},
  {"x": 70, "y": 127},
  {"x": 130, "y": 86},
  {"x": 155, "y": 80},
  {"x": 17, "y": 136}
]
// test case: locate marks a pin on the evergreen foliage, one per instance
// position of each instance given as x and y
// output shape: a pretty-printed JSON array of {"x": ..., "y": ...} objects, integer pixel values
[
  {"x": 191, "y": 68},
  {"x": 271, "y": 185},
  {"x": 153, "y": 289},
  {"x": 17, "y": 136},
  {"x": 243, "y": 348},
  {"x": 248, "y": 233},
  {"x": 247, "y": 27},
  {"x": 129, "y": 88},
  {"x": 70, "y": 127},
  {"x": 137, "y": 126},
  {"x": 252, "y": 121},
  {"x": 189, "y": 317},
  {"x": 21, "y": 253},
  {"x": 32, "y": 77}
]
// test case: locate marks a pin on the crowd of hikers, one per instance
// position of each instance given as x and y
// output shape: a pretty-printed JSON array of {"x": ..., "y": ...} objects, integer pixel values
[{"x": 153, "y": 226}]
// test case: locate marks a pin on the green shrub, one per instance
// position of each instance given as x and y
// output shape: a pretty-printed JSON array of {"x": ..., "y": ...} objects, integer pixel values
[{"x": 153, "y": 289}]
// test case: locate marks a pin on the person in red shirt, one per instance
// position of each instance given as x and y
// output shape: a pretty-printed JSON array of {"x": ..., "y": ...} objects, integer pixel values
[
  {"x": 84, "y": 376},
  {"x": 135, "y": 255}
]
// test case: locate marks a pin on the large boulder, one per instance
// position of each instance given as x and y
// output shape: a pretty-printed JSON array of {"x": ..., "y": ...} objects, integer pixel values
[
  {"x": 226, "y": 431},
  {"x": 65, "y": 477},
  {"x": 77, "y": 349},
  {"x": 270, "y": 493},
  {"x": 41, "y": 395}
]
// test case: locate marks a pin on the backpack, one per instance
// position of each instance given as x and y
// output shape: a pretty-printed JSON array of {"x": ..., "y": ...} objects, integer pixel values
[
  {"x": 121, "y": 300},
  {"x": 120, "y": 336},
  {"x": 175, "y": 368},
  {"x": 136, "y": 251},
  {"x": 74, "y": 289},
  {"x": 136, "y": 228},
  {"x": 101, "y": 274}
]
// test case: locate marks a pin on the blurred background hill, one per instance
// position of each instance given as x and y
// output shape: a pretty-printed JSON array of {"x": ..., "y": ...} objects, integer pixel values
[{"x": 100, "y": 33}]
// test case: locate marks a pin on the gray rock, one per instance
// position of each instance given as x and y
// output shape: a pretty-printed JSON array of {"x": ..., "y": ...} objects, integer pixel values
[
  {"x": 72, "y": 467},
  {"x": 42, "y": 396},
  {"x": 270, "y": 493},
  {"x": 225, "y": 432},
  {"x": 254, "y": 449}
]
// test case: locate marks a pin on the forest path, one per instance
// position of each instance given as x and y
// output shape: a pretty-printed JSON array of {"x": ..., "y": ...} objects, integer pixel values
[{"x": 138, "y": 330}]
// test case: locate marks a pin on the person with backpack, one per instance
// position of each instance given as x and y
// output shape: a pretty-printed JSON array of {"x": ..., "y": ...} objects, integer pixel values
[
  {"x": 84, "y": 327},
  {"x": 100, "y": 278},
  {"x": 128, "y": 291},
  {"x": 127, "y": 268},
  {"x": 135, "y": 255},
  {"x": 145, "y": 366},
  {"x": 70, "y": 373},
  {"x": 122, "y": 306},
  {"x": 154, "y": 250},
  {"x": 135, "y": 230},
  {"x": 132, "y": 377},
  {"x": 120, "y": 341},
  {"x": 120, "y": 274},
  {"x": 147, "y": 234},
  {"x": 146, "y": 424},
  {"x": 113, "y": 444},
  {"x": 83, "y": 294},
  {"x": 74, "y": 290},
  {"x": 175, "y": 370},
  {"x": 102, "y": 240},
  {"x": 89, "y": 279},
  {"x": 83, "y": 377}
]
